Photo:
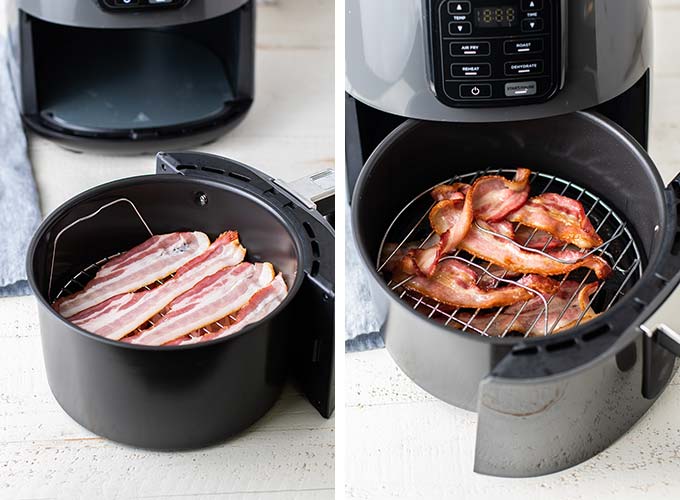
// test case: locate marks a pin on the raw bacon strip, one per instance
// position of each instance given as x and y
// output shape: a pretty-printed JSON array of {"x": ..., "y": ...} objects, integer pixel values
[
  {"x": 560, "y": 216},
  {"x": 455, "y": 284},
  {"x": 122, "y": 314},
  {"x": 258, "y": 307},
  {"x": 156, "y": 258},
  {"x": 506, "y": 254},
  {"x": 215, "y": 297},
  {"x": 534, "y": 309},
  {"x": 490, "y": 198}
]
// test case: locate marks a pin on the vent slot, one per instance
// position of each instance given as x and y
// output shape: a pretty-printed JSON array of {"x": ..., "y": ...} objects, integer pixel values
[
  {"x": 587, "y": 337},
  {"x": 316, "y": 251},
  {"x": 315, "y": 268},
  {"x": 185, "y": 167},
  {"x": 558, "y": 346},
  {"x": 238, "y": 176},
  {"x": 218, "y": 171},
  {"x": 639, "y": 304},
  {"x": 308, "y": 228},
  {"x": 525, "y": 351}
]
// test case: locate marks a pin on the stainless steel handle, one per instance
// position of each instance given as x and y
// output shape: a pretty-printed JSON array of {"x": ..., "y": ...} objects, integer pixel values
[{"x": 311, "y": 189}]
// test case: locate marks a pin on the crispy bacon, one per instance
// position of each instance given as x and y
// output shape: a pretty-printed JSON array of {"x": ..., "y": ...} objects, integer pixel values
[
  {"x": 494, "y": 220},
  {"x": 456, "y": 284},
  {"x": 215, "y": 297},
  {"x": 490, "y": 198},
  {"x": 450, "y": 191},
  {"x": 258, "y": 307},
  {"x": 122, "y": 314},
  {"x": 515, "y": 258},
  {"x": 561, "y": 216},
  {"x": 493, "y": 196},
  {"x": 535, "y": 238},
  {"x": 483, "y": 243},
  {"x": 533, "y": 312},
  {"x": 156, "y": 258}
]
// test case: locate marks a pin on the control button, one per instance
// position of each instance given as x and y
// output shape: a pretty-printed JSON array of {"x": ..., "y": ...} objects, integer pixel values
[
  {"x": 532, "y": 24},
  {"x": 524, "y": 68},
  {"x": 475, "y": 90},
  {"x": 125, "y": 3},
  {"x": 157, "y": 2},
  {"x": 519, "y": 89},
  {"x": 532, "y": 5},
  {"x": 529, "y": 46},
  {"x": 460, "y": 28},
  {"x": 469, "y": 49},
  {"x": 458, "y": 7},
  {"x": 470, "y": 70}
]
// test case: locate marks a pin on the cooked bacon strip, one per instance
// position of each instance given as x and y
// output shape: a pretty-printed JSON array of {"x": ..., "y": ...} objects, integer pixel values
[
  {"x": 504, "y": 253},
  {"x": 535, "y": 238},
  {"x": 122, "y": 314},
  {"x": 561, "y": 216},
  {"x": 513, "y": 257},
  {"x": 455, "y": 284},
  {"x": 490, "y": 198},
  {"x": 156, "y": 258},
  {"x": 493, "y": 196},
  {"x": 534, "y": 309},
  {"x": 258, "y": 307},
  {"x": 215, "y": 297},
  {"x": 450, "y": 191}
]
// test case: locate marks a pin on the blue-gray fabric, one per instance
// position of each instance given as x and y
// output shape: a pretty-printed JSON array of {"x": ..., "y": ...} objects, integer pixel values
[
  {"x": 362, "y": 325},
  {"x": 19, "y": 206}
]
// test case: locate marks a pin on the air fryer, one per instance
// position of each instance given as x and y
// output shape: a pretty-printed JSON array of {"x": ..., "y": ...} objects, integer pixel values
[
  {"x": 176, "y": 397},
  {"x": 132, "y": 75},
  {"x": 445, "y": 91}
]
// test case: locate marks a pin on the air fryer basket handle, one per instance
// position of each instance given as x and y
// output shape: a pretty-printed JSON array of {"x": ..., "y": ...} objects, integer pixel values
[
  {"x": 312, "y": 311},
  {"x": 529, "y": 428},
  {"x": 663, "y": 325},
  {"x": 316, "y": 191}
]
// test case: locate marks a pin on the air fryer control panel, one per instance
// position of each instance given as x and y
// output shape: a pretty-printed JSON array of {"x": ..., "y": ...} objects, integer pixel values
[{"x": 495, "y": 52}]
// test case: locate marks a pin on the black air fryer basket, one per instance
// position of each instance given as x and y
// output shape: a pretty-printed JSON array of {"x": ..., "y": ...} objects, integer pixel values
[
  {"x": 550, "y": 402},
  {"x": 187, "y": 396}
]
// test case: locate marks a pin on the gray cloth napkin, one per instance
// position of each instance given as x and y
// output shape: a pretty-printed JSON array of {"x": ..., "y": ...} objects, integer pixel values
[
  {"x": 19, "y": 206},
  {"x": 362, "y": 324}
]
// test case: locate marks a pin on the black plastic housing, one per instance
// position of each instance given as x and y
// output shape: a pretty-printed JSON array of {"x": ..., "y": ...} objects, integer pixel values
[
  {"x": 67, "y": 67},
  {"x": 188, "y": 396}
]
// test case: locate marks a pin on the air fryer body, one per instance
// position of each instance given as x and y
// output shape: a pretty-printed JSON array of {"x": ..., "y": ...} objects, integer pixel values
[
  {"x": 406, "y": 61},
  {"x": 98, "y": 75},
  {"x": 600, "y": 55}
]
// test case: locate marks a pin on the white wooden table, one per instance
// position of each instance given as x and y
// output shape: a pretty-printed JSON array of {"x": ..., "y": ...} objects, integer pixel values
[
  {"x": 287, "y": 454},
  {"x": 404, "y": 443}
]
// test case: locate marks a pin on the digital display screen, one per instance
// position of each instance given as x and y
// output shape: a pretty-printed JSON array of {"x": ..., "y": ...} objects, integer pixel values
[{"x": 503, "y": 16}]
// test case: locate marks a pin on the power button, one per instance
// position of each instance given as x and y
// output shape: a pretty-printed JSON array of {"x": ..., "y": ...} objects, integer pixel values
[{"x": 475, "y": 90}]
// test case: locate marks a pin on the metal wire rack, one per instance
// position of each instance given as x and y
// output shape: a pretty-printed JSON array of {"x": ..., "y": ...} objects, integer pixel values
[{"x": 411, "y": 227}]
